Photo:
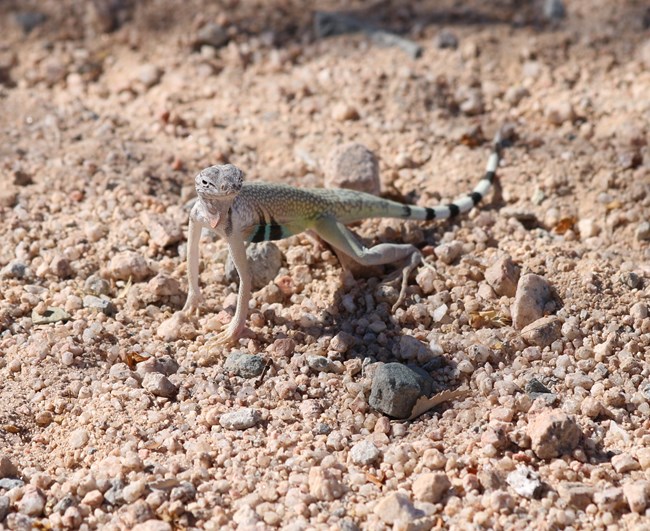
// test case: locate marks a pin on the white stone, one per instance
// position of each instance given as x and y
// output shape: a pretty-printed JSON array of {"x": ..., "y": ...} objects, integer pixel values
[{"x": 364, "y": 453}]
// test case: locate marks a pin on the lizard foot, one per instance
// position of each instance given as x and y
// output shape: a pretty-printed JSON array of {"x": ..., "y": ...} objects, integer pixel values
[
  {"x": 415, "y": 260},
  {"x": 230, "y": 335},
  {"x": 192, "y": 304}
]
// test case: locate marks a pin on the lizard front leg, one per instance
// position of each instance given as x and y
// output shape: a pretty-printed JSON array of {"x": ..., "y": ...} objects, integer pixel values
[
  {"x": 194, "y": 298},
  {"x": 238, "y": 322}
]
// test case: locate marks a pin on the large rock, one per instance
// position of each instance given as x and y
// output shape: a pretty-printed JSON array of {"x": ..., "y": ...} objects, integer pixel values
[
  {"x": 533, "y": 295},
  {"x": 395, "y": 389},
  {"x": 264, "y": 262},
  {"x": 353, "y": 166},
  {"x": 396, "y": 508},
  {"x": 503, "y": 276},
  {"x": 244, "y": 364},
  {"x": 129, "y": 265},
  {"x": 553, "y": 433}
]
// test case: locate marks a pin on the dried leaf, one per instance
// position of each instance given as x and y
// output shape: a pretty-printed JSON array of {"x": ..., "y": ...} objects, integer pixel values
[
  {"x": 488, "y": 319},
  {"x": 133, "y": 358},
  {"x": 424, "y": 403},
  {"x": 374, "y": 479},
  {"x": 613, "y": 205},
  {"x": 564, "y": 225},
  {"x": 125, "y": 290}
]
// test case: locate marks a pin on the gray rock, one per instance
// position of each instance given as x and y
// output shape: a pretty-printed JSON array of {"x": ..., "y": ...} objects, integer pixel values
[
  {"x": 8, "y": 484},
  {"x": 320, "y": 364},
  {"x": 103, "y": 305},
  {"x": 14, "y": 269},
  {"x": 264, "y": 259},
  {"x": 533, "y": 295},
  {"x": 185, "y": 492},
  {"x": 159, "y": 385},
  {"x": 395, "y": 389},
  {"x": 535, "y": 387},
  {"x": 447, "y": 39},
  {"x": 525, "y": 482},
  {"x": 554, "y": 9},
  {"x": 96, "y": 285},
  {"x": 149, "y": 75},
  {"x": 67, "y": 501},
  {"x": 210, "y": 35},
  {"x": 29, "y": 20},
  {"x": 642, "y": 232},
  {"x": 240, "y": 420},
  {"x": 114, "y": 495},
  {"x": 411, "y": 348},
  {"x": 424, "y": 379},
  {"x": 244, "y": 365},
  {"x": 353, "y": 166},
  {"x": 4, "y": 507},
  {"x": 543, "y": 332}
]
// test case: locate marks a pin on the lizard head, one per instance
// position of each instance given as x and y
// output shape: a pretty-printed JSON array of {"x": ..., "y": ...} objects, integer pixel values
[{"x": 217, "y": 182}]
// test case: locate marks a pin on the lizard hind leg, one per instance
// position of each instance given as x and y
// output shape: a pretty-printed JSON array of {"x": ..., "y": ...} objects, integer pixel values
[{"x": 340, "y": 237}]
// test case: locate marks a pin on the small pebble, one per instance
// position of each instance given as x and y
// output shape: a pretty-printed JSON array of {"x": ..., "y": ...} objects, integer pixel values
[
  {"x": 244, "y": 365},
  {"x": 324, "y": 483},
  {"x": 7, "y": 468},
  {"x": 553, "y": 433},
  {"x": 525, "y": 482},
  {"x": 431, "y": 487},
  {"x": 343, "y": 112},
  {"x": 533, "y": 295},
  {"x": 447, "y": 39},
  {"x": 637, "y": 495},
  {"x": 624, "y": 463},
  {"x": 395, "y": 389},
  {"x": 33, "y": 501},
  {"x": 449, "y": 252},
  {"x": 397, "y": 508},
  {"x": 128, "y": 265},
  {"x": 364, "y": 453},
  {"x": 159, "y": 385},
  {"x": 240, "y": 420},
  {"x": 503, "y": 276}
]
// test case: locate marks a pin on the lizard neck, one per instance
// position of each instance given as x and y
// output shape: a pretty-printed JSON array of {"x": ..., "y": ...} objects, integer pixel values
[{"x": 207, "y": 208}]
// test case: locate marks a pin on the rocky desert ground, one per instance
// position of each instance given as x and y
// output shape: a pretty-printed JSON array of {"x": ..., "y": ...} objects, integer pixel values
[{"x": 529, "y": 327}]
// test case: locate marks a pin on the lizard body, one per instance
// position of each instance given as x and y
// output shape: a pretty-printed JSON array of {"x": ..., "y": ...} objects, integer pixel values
[{"x": 243, "y": 212}]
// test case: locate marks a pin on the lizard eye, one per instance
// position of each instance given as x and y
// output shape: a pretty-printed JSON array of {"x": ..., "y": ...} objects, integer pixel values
[{"x": 204, "y": 183}]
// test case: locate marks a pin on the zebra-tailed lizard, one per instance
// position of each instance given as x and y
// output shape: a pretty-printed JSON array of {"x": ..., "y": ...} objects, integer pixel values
[{"x": 243, "y": 212}]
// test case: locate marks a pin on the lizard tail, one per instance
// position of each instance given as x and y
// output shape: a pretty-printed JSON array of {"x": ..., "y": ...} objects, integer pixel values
[{"x": 466, "y": 203}]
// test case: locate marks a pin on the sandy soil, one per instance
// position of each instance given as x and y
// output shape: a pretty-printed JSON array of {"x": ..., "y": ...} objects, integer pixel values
[{"x": 108, "y": 110}]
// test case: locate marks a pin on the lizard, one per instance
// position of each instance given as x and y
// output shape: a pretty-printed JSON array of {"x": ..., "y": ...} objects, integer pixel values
[{"x": 242, "y": 212}]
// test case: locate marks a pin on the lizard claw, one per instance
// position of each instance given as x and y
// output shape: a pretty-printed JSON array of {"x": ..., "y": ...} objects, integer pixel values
[{"x": 194, "y": 300}]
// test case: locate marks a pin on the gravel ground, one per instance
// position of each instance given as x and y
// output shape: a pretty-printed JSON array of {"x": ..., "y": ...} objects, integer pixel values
[{"x": 113, "y": 416}]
